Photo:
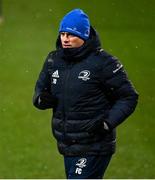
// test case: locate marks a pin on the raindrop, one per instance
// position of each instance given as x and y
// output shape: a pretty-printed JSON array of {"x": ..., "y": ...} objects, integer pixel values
[
  {"x": 3, "y": 109},
  {"x": 117, "y": 13},
  {"x": 45, "y": 167},
  {"x": 142, "y": 10},
  {"x": 145, "y": 139}
]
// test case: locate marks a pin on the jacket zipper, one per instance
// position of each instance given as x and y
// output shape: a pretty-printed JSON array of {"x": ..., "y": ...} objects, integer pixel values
[{"x": 65, "y": 101}]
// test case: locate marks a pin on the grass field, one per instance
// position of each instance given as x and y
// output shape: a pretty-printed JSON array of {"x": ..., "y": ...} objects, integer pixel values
[{"x": 27, "y": 34}]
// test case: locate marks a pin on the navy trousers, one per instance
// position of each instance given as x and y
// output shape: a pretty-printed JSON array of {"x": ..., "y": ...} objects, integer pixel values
[{"x": 86, "y": 167}]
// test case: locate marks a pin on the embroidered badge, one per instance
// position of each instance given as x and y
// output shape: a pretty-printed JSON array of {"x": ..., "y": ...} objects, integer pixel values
[{"x": 84, "y": 75}]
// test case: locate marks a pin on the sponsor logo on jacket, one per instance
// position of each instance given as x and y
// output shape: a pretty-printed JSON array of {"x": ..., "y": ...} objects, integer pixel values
[{"x": 55, "y": 75}]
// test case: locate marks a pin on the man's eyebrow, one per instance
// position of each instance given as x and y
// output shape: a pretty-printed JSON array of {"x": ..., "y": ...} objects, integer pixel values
[{"x": 66, "y": 33}]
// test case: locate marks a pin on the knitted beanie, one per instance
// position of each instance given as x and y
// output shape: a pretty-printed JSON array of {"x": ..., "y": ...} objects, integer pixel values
[{"x": 77, "y": 23}]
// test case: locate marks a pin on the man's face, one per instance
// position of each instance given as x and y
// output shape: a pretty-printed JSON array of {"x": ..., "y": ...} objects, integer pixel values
[{"x": 70, "y": 41}]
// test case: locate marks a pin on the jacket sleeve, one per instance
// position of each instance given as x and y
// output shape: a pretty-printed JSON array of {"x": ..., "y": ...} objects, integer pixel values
[
  {"x": 120, "y": 92},
  {"x": 42, "y": 98}
]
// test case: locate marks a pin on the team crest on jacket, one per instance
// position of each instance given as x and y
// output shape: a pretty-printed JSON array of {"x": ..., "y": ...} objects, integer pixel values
[{"x": 84, "y": 75}]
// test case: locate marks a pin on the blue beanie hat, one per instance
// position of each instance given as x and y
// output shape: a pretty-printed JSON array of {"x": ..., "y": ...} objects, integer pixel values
[{"x": 77, "y": 23}]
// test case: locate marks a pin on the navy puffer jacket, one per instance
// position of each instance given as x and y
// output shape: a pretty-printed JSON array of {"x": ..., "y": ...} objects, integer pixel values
[{"x": 86, "y": 87}]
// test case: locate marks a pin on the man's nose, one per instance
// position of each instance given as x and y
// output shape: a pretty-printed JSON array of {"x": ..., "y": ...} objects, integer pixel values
[{"x": 66, "y": 39}]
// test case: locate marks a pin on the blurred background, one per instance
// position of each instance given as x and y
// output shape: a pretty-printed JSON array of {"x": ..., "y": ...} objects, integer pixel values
[{"x": 28, "y": 31}]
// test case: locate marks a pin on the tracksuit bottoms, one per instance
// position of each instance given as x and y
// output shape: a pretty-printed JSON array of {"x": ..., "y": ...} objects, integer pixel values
[{"x": 86, "y": 167}]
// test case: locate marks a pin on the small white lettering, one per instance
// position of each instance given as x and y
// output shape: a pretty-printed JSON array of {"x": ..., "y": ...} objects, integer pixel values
[{"x": 78, "y": 171}]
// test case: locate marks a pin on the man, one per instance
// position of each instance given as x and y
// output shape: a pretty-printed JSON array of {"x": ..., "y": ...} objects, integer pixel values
[{"x": 90, "y": 94}]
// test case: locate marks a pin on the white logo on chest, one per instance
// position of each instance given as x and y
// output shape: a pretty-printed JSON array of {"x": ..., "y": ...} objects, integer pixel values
[
  {"x": 84, "y": 75},
  {"x": 55, "y": 75}
]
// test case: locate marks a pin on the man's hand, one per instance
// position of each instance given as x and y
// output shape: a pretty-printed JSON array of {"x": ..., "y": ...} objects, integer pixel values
[
  {"x": 105, "y": 126},
  {"x": 99, "y": 126},
  {"x": 45, "y": 100}
]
